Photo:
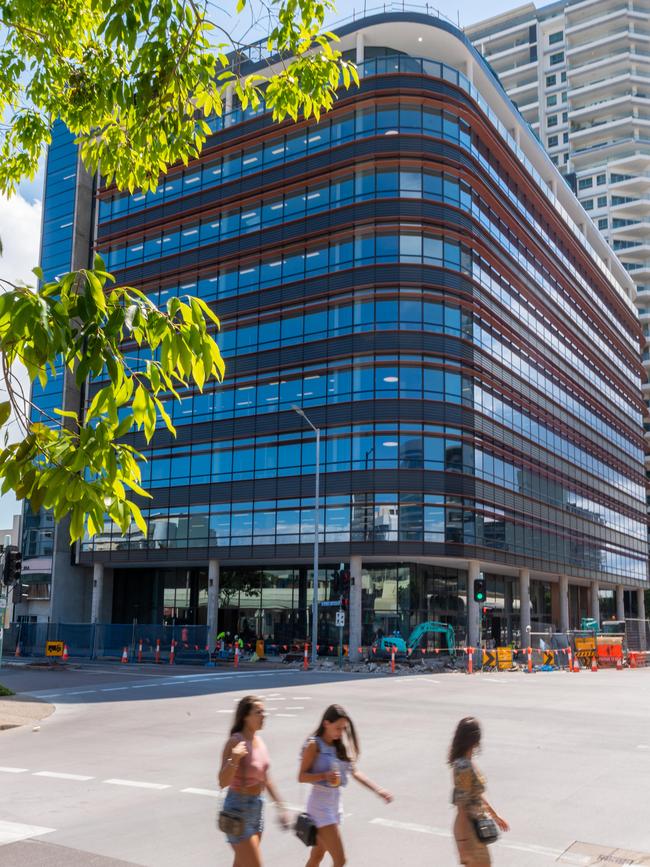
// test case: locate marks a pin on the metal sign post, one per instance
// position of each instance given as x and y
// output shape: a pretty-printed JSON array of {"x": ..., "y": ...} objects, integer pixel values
[
  {"x": 4, "y": 598},
  {"x": 340, "y": 622}
]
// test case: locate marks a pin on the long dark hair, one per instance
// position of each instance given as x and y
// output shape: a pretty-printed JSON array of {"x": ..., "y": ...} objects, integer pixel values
[
  {"x": 347, "y": 750},
  {"x": 244, "y": 707},
  {"x": 466, "y": 737}
]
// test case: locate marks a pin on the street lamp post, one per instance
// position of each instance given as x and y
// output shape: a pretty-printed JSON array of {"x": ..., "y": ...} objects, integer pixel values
[{"x": 314, "y": 602}]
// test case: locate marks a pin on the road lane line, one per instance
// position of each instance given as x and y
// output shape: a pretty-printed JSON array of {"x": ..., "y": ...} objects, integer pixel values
[
  {"x": 13, "y": 832},
  {"x": 286, "y": 714},
  {"x": 209, "y": 793},
  {"x": 444, "y": 832},
  {"x": 14, "y": 770},
  {"x": 114, "y": 688},
  {"x": 138, "y": 784},
  {"x": 295, "y": 707},
  {"x": 81, "y": 692},
  {"x": 144, "y": 686},
  {"x": 59, "y": 776}
]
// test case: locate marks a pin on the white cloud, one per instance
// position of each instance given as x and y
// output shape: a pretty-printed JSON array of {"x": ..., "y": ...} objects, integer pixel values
[{"x": 20, "y": 232}]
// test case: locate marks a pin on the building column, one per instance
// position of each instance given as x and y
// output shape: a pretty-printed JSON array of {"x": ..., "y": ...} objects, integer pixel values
[
  {"x": 473, "y": 613},
  {"x": 564, "y": 603},
  {"x": 640, "y": 607},
  {"x": 594, "y": 602},
  {"x": 360, "y": 48},
  {"x": 620, "y": 602},
  {"x": 355, "y": 609},
  {"x": 98, "y": 592},
  {"x": 213, "y": 601},
  {"x": 524, "y": 606}
]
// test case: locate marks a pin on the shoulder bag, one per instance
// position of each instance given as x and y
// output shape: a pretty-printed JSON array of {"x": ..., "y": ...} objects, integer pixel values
[
  {"x": 486, "y": 829},
  {"x": 305, "y": 827}
]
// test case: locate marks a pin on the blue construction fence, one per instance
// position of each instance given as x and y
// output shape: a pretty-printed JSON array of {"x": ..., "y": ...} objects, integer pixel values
[{"x": 143, "y": 642}]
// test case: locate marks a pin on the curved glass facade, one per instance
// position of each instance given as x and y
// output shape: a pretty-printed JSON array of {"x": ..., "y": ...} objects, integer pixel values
[{"x": 402, "y": 273}]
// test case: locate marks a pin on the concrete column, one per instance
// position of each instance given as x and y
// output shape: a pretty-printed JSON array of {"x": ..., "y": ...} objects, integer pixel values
[
  {"x": 620, "y": 602},
  {"x": 594, "y": 602},
  {"x": 469, "y": 71},
  {"x": 524, "y": 603},
  {"x": 640, "y": 607},
  {"x": 564, "y": 603},
  {"x": 213, "y": 601},
  {"x": 355, "y": 608},
  {"x": 98, "y": 592},
  {"x": 360, "y": 48},
  {"x": 473, "y": 613}
]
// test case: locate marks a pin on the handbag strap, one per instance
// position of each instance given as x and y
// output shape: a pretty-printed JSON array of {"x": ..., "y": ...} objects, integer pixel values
[{"x": 242, "y": 739}]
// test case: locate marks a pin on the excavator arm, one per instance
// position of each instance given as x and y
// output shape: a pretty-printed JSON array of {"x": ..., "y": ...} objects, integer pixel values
[{"x": 433, "y": 626}]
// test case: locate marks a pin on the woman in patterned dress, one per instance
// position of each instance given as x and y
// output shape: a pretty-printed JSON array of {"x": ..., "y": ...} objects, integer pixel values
[{"x": 468, "y": 796}]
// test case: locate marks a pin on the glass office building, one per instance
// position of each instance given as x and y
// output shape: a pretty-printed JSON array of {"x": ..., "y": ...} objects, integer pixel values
[{"x": 414, "y": 273}]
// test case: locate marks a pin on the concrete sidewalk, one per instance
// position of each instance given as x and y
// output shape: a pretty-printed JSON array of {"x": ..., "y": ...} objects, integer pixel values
[{"x": 20, "y": 710}]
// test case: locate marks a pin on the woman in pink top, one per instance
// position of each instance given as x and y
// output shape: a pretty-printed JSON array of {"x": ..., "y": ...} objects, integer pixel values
[{"x": 245, "y": 771}]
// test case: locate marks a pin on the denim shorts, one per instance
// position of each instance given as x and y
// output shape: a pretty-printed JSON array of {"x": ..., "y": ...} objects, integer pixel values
[{"x": 252, "y": 809}]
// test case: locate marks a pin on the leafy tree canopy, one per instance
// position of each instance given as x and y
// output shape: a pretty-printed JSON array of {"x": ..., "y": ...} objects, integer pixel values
[{"x": 134, "y": 80}]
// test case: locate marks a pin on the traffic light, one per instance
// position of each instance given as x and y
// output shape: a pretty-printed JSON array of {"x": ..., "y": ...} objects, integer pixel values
[
  {"x": 479, "y": 589},
  {"x": 345, "y": 584},
  {"x": 13, "y": 562}
]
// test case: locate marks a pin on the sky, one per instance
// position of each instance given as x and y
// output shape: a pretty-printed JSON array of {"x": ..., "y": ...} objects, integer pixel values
[{"x": 20, "y": 216}]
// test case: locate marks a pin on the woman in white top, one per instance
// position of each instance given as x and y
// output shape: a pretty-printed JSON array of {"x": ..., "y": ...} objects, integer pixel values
[{"x": 328, "y": 760}]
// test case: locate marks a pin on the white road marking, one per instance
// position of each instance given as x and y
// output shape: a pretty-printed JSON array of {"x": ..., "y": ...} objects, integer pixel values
[
  {"x": 144, "y": 686},
  {"x": 224, "y": 711},
  {"x": 114, "y": 688},
  {"x": 279, "y": 698},
  {"x": 302, "y": 697},
  {"x": 59, "y": 776},
  {"x": 14, "y": 770},
  {"x": 82, "y": 692},
  {"x": 444, "y": 832},
  {"x": 210, "y": 793},
  {"x": 286, "y": 714},
  {"x": 643, "y": 747},
  {"x": 295, "y": 707},
  {"x": 138, "y": 784},
  {"x": 12, "y": 832}
]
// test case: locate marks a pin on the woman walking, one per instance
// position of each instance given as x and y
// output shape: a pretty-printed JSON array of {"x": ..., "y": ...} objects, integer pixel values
[
  {"x": 328, "y": 760},
  {"x": 245, "y": 771},
  {"x": 468, "y": 796}
]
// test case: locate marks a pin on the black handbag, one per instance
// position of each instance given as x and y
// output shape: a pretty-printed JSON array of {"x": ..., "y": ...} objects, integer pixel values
[
  {"x": 305, "y": 829},
  {"x": 486, "y": 829},
  {"x": 231, "y": 822}
]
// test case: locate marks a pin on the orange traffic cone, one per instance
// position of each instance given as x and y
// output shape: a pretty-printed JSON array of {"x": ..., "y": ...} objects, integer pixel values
[
  {"x": 619, "y": 664},
  {"x": 17, "y": 653},
  {"x": 66, "y": 655},
  {"x": 125, "y": 656},
  {"x": 594, "y": 664},
  {"x": 576, "y": 665}
]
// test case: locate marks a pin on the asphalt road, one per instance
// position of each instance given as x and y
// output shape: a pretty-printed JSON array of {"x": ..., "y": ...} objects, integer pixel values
[{"x": 124, "y": 771}]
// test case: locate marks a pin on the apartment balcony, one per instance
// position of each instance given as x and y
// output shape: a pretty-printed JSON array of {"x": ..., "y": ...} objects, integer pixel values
[
  {"x": 593, "y": 10},
  {"x": 638, "y": 254},
  {"x": 614, "y": 64},
  {"x": 633, "y": 210},
  {"x": 614, "y": 107},
  {"x": 609, "y": 131},
  {"x": 637, "y": 232},
  {"x": 639, "y": 185},
  {"x": 634, "y": 162},
  {"x": 524, "y": 93},
  {"x": 608, "y": 46},
  {"x": 591, "y": 30},
  {"x": 512, "y": 55}
]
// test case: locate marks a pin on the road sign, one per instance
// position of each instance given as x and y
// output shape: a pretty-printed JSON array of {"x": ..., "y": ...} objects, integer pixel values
[
  {"x": 489, "y": 659},
  {"x": 548, "y": 657},
  {"x": 332, "y": 603},
  {"x": 504, "y": 658},
  {"x": 54, "y": 648},
  {"x": 340, "y": 619}
]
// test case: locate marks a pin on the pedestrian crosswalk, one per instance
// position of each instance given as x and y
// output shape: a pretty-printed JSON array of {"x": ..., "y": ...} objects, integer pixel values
[{"x": 13, "y": 832}]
